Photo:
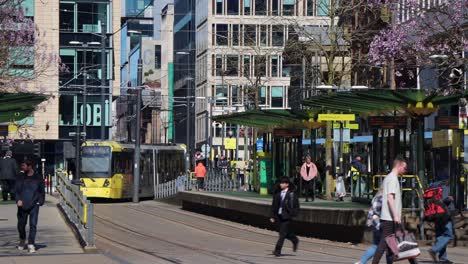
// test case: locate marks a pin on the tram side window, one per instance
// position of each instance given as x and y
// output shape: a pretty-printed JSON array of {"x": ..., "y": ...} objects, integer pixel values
[
  {"x": 121, "y": 163},
  {"x": 149, "y": 168}
]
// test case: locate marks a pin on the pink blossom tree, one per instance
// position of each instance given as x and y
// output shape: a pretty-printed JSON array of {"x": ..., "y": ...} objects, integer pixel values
[
  {"x": 412, "y": 39},
  {"x": 24, "y": 56}
]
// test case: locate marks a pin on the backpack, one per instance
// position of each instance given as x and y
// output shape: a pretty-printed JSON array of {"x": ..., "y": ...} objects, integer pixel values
[
  {"x": 293, "y": 204},
  {"x": 435, "y": 210}
]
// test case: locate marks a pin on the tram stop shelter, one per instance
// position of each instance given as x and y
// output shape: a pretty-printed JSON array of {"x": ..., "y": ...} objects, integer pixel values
[
  {"x": 17, "y": 106},
  {"x": 279, "y": 147},
  {"x": 412, "y": 104}
]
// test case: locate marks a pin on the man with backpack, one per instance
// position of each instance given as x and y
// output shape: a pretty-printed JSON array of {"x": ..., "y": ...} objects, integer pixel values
[
  {"x": 285, "y": 207},
  {"x": 438, "y": 205}
]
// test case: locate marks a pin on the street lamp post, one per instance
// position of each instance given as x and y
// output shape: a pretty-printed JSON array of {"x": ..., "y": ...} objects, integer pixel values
[
  {"x": 103, "y": 81},
  {"x": 137, "y": 154}
]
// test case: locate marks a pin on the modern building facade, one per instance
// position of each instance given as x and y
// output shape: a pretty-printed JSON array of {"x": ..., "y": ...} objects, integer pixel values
[
  {"x": 87, "y": 30},
  {"x": 184, "y": 69},
  {"x": 146, "y": 33},
  {"x": 72, "y": 30},
  {"x": 239, "y": 53}
]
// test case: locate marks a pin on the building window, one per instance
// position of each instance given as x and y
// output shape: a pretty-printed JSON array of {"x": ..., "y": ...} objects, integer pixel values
[
  {"x": 157, "y": 56},
  {"x": 134, "y": 7},
  {"x": 263, "y": 95},
  {"x": 310, "y": 7},
  {"x": 277, "y": 96},
  {"x": 250, "y": 35},
  {"x": 246, "y": 65},
  {"x": 90, "y": 16},
  {"x": 323, "y": 7},
  {"x": 219, "y": 7},
  {"x": 233, "y": 7},
  {"x": 260, "y": 7},
  {"x": 67, "y": 17},
  {"x": 288, "y": 7},
  {"x": 274, "y": 66},
  {"x": 222, "y": 34},
  {"x": 286, "y": 71},
  {"x": 236, "y": 95},
  {"x": 263, "y": 35},
  {"x": 219, "y": 65},
  {"x": 275, "y": 7},
  {"x": 232, "y": 67},
  {"x": 247, "y": 7},
  {"x": 277, "y": 35},
  {"x": 260, "y": 65},
  {"x": 221, "y": 95},
  {"x": 235, "y": 35}
]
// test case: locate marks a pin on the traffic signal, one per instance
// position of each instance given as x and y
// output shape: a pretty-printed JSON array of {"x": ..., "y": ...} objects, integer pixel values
[{"x": 37, "y": 149}]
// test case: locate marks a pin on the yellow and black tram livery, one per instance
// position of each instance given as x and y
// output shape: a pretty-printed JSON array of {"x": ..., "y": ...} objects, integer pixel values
[{"x": 106, "y": 169}]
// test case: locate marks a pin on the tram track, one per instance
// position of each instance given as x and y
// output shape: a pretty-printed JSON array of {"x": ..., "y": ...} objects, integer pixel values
[
  {"x": 101, "y": 236},
  {"x": 210, "y": 253},
  {"x": 233, "y": 225},
  {"x": 273, "y": 238},
  {"x": 171, "y": 215}
]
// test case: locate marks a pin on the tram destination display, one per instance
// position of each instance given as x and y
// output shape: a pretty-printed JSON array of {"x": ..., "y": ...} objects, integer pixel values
[{"x": 388, "y": 122}]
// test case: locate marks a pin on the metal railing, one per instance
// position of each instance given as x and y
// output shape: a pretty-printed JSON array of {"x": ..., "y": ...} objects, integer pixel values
[
  {"x": 215, "y": 181},
  {"x": 78, "y": 209}
]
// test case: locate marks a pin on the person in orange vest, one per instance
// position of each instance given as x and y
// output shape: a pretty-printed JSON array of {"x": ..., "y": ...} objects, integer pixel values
[{"x": 200, "y": 173}]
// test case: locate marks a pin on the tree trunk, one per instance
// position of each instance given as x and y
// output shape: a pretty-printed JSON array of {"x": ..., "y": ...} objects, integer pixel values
[{"x": 392, "y": 75}]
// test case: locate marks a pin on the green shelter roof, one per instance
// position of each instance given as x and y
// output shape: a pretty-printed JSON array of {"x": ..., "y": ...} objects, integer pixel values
[
  {"x": 365, "y": 102},
  {"x": 17, "y": 106},
  {"x": 264, "y": 118},
  {"x": 361, "y": 102}
]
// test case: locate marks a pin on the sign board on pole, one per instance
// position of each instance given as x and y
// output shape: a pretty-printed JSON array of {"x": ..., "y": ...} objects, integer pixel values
[
  {"x": 205, "y": 149},
  {"x": 229, "y": 143},
  {"x": 388, "y": 122},
  {"x": 260, "y": 145},
  {"x": 346, "y": 135},
  {"x": 352, "y": 126},
  {"x": 336, "y": 117}
]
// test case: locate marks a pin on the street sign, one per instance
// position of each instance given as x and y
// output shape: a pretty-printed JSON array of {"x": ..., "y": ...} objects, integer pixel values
[
  {"x": 447, "y": 122},
  {"x": 336, "y": 117},
  {"x": 229, "y": 143},
  {"x": 73, "y": 134},
  {"x": 352, "y": 126},
  {"x": 205, "y": 149},
  {"x": 346, "y": 135},
  {"x": 260, "y": 145},
  {"x": 288, "y": 133},
  {"x": 389, "y": 122}
]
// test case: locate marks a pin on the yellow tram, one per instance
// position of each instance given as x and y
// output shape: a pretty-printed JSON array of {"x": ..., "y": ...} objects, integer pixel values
[{"x": 107, "y": 168}]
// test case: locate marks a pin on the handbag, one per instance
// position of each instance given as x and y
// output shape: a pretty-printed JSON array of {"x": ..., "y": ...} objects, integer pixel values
[{"x": 403, "y": 245}]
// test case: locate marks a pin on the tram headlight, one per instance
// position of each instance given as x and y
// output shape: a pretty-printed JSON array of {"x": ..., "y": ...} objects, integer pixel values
[{"x": 106, "y": 183}]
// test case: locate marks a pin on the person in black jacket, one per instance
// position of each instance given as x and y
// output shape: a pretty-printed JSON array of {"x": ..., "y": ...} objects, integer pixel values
[
  {"x": 30, "y": 194},
  {"x": 8, "y": 173},
  {"x": 285, "y": 207}
]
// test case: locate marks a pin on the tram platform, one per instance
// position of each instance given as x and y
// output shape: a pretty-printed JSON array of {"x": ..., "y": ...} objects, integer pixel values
[
  {"x": 55, "y": 241},
  {"x": 337, "y": 221}
]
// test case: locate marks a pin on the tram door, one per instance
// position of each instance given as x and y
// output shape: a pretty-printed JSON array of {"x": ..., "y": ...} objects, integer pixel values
[{"x": 287, "y": 154}]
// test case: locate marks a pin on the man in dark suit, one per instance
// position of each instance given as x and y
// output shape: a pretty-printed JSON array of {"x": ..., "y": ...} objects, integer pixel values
[{"x": 285, "y": 206}]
